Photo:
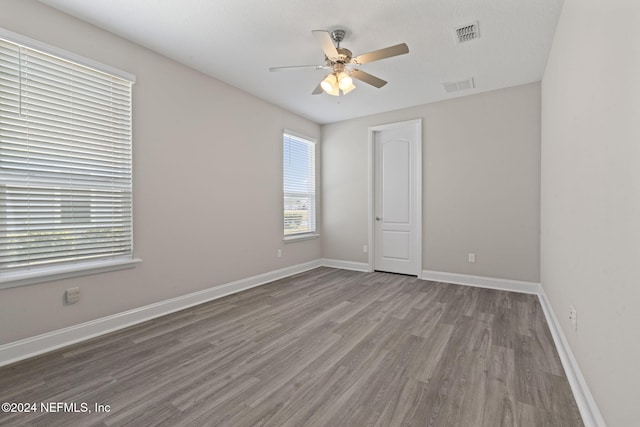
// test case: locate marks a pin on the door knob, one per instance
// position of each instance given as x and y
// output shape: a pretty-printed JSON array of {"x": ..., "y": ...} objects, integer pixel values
[{"x": 378, "y": 218}]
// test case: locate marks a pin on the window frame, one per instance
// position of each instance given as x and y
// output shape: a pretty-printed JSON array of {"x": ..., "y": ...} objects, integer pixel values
[
  {"x": 72, "y": 268},
  {"x": 311, "y": 234}
]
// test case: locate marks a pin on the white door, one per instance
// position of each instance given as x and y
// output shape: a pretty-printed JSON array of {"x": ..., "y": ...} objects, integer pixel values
[{"x": 397, "y": 231}]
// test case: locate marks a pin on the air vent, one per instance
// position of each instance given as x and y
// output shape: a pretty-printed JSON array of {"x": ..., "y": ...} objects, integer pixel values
[
  {"x": 467, "y": 32},
  {"x": 458, "y": 86}
]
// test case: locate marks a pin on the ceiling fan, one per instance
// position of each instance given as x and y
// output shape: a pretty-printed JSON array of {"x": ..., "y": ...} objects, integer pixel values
[{"x": 343, "y": 65}]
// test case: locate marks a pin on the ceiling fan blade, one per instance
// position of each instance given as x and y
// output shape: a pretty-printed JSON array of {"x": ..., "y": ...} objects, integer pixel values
[
  {"x": 296, "y": 67},
  {"x": 387, "y": 52},
  {"x": 318, "y": 90},
  {"x": 368, "y": 78},
  {"x": 326, "y": 43}
]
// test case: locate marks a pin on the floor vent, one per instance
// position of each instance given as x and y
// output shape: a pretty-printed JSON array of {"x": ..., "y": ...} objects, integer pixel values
[
  {"x": 467, "y": 32},
  {"x": 458, "y": 86}
]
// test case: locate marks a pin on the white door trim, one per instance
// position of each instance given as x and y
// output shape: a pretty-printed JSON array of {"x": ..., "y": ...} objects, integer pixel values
[{"x": 371, "y": 209}]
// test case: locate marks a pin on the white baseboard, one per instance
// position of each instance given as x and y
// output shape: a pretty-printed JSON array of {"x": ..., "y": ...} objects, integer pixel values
[
  {"x": 39, "y": 344},
  {"x": 482, "y": 282},
  {"x": 345, "y": 265},
  {"x": 584, "y": 399}
]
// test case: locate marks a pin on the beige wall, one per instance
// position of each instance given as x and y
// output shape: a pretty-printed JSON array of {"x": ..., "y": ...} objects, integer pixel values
[
  {"x": 207, "y": 183},
  {"x": 481, "y": 170},
  {"x": 590, "y": 216}
]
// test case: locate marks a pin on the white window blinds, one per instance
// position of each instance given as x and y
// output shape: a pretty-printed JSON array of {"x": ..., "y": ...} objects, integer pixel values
[
  {"x": 299, "y": 185},
  {"x": 65, "y": 162}
]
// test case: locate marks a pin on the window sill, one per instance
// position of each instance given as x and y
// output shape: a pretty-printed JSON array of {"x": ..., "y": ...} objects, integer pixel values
[
  {"x": 12, "y": 280},
  {"x": 300, "y": 237}
]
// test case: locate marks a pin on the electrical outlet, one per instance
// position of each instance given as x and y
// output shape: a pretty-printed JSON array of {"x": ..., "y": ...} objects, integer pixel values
[
  {"x": 279, "y": 254},
  {"x": 573, "y": 316},
  {"x": 72, "y": 295},
  {"x": 365, "y": 248},
  {"x": 472, "y": 257}
]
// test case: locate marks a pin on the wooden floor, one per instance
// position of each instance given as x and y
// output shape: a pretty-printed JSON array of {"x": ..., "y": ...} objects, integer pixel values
[{"x": 323, "y": 348}]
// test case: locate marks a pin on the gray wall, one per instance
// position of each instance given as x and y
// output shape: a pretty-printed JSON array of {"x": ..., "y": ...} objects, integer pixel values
[
  {"x": 481, "y": 172},
  {"x": 207, "y": 183},
  {"x": 590, "y": 216}
]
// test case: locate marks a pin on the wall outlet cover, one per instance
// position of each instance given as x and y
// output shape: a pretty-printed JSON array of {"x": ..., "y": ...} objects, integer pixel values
[
  {"x": 573, "y": 316},
  {"x": 72, "y": 295}
]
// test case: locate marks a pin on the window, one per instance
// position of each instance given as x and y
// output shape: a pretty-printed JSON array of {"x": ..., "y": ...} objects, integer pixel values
[
  {"x": 65, "y": 162},
  {"x": 299, "y": 186}
]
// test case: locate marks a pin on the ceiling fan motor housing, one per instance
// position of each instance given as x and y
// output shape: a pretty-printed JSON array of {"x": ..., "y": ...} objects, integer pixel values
[{"x": 344, "y": 55}]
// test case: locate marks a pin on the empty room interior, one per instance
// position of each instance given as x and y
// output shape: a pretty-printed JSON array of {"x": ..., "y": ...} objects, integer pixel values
[{"x": 319, "y": 213}]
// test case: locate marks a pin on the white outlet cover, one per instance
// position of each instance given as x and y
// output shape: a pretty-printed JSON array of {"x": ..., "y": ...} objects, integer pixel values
[
  {"x": 72, "y": 295},
  {"x": 573, "y": 316}
]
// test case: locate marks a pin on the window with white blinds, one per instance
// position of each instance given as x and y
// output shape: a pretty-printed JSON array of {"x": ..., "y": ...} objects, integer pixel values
[
  {"x": 65, "y": 162},
  {"x": 299, "y": 185}
]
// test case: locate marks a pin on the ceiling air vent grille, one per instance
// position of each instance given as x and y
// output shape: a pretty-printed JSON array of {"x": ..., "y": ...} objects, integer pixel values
[
  {"x": 458, "y": 86},
  {"x": 467, "y": 32}
]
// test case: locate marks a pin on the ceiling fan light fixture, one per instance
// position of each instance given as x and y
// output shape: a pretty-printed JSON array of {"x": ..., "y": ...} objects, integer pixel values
[
  {"x": 330, "y": 83},
  {"x": 335, "y": 92},
  {"x": 348, "y": 89},
  {"x": 345, "y": 82}
]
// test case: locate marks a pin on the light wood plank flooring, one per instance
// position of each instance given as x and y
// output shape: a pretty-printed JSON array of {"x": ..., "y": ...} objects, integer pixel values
[{"x": 324, "y": 348}]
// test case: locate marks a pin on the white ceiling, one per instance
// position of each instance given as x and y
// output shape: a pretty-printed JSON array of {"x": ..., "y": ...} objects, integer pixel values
[{"x": 236, "y": 41}]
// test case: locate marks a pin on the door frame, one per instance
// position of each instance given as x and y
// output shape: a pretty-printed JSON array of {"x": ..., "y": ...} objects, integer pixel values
[{"x": 372, "y": 130}]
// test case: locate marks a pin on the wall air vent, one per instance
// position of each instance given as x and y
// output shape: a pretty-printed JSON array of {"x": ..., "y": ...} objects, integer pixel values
[
  {"x": 458, "y": 86},
  {"x": 467, "y": 32}
]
